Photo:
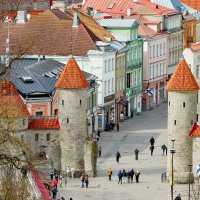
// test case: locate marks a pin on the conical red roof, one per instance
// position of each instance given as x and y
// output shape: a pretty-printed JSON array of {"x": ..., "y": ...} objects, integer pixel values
[
  {"x": 72, "y": 76},
  {"x": 182, "y": 79},
  {"x": 11, "y": 103}
]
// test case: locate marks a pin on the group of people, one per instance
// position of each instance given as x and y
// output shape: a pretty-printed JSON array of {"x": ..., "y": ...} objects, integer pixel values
[
  {"x": 84, "y": 181},
  {"x": 124, "y": 176}
]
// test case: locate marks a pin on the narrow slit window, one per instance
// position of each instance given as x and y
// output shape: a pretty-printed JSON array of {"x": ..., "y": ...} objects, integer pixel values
[
  {"x": 191, "y": 122},
  {"x": 174, "y": 122},
  {"x": 80, "y": 102},
  {"x": 67, "y": 120},
  {"x": 169, "y": 103},
  {"x": 183, "y": 104},
  {"x": 63, "y": 102}
]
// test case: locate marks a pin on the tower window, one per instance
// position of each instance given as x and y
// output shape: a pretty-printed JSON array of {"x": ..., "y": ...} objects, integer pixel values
[
  {"x": 24, "y": 121},
  {"x": 36, "y": 137},
  {"x": 191, "y": 122},
  {"x": 197, "y": 118},
  {"x": 48, "y": 137},
  {"x": 174, "y": 122},
  {"x": 80, "y": 102},
  {"x": 169, "y": 103},
  {"x": 63, "y": 102},
  {"x": 183, "y": 104},
  {"x": 67, "y": 120}
]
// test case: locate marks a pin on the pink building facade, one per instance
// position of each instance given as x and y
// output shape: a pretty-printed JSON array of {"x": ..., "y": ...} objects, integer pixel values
[{"x": 155, "y": 65}]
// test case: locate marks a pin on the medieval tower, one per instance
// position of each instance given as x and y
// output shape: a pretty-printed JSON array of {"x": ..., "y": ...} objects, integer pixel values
[
  {"x": 182, "y": 108},
  {"x": 72, "y": 102}
]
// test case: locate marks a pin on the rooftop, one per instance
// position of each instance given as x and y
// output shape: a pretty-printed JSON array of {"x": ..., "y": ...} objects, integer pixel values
[
  {"x": 72, "y": 77},
  {"x": 195, "y": 132},
  {"x": 182, "y": 79},
  {"x": 118, "y": 23},
  {"x": 195, "y": 47},
  {"x": 192, "y": 3},
  {"x": 120, "y": 7},
  {"x": 42, "y": 122}
]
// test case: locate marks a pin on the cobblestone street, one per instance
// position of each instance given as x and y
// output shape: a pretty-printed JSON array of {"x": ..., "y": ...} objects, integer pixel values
[{"x": 134, "y": 133}]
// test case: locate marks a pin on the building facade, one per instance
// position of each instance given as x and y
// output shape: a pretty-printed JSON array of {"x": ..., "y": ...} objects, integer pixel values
[{"x": 126, "y": 31}]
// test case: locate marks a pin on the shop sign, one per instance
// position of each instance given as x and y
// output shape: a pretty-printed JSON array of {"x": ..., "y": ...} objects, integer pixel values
[{"x": 109, "y": 98}]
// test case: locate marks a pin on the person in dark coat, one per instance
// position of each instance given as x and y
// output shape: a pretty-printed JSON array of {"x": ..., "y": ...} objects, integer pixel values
[
  {"x": 124, "y": 175},
  {"x": 178, "y": 197},
  {"x": 86, "y": 181},
  {"x": 151, "y": 149},
  {"x": 163, "y": 147},
  {"x": 54, "y": 192},
  {"x": 152, "y": 141},
  {"x": 131, "y": 175},
  {"x": 100, "y": 149},
  {"x": 118, "y": 155},
  {"x": 136, "y": 154},
  {"x": 119, "y": 177}
]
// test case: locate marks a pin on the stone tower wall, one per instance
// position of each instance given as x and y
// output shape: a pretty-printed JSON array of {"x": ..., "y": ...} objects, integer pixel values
[
  {"x": 73, "y": 131},
  {"x": 185, "y": 118}
]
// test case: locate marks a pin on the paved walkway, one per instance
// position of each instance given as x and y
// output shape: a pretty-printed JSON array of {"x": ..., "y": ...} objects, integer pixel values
[{"x": 134, "y": 133}]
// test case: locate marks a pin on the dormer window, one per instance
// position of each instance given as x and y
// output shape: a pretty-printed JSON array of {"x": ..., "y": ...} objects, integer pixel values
[{"x": 111, "y": 5}]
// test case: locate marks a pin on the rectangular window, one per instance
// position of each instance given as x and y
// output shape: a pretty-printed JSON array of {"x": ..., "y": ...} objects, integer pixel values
[
  {"x": 112, "y": 64},
  {"x": 154, "y": 51},
  {"x": 128, "y": 80},
  {"x": 163, "y": 48},
  {"x": 157, "y": 50},
  {"x": 164, "y": 68},
  {"x": 154, "y": 71},
  {"x": 36, "y": 137},
  {"x": 109, "y": 67},
  {"x": 135, "y": 77},
  {"x": 123, "y": 83},
  {"x": 39, "y": 113},
  {"x": 150, "y": 72},
  {"x": 150, "y": 52},
  {"x": 108, "y": 86},
  {"x": 161, "y": 69},
  {"x": 138, "y": 76},
  {"x": 105, "y": 66},
  {"x": 56, "y": 112},
  {"x": 63, "y": 102},
  {"x": 197, "y": 71},
  {"x": 161, "y": 51},
  {"x": 105, "y": 87},
  {"x": 174, "y": 122},
  {"x": 48, "y": 137},
  {"x": 112, "y": 84},
  {"x": 157, "y": 70}
]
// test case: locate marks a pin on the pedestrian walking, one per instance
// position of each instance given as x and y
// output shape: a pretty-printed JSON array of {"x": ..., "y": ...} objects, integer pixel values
[
  {"x": 62, "y": 198},
  {"x": 178, "y": 197},
  {"x": 86, "y": 181},
  {"x": 137, "y": 174},
  {"x": 151, "y": 149},
  {"x": 100, "y": 151},
  {"x": 128, "y": 176},
  {"x": 54, "y": 192},
  {"x": 52, "y": 172},
  {"x": 82, "y": 178},
  {"x": 61, "y": 179},
  {"x": 124, "y": 175},
  {"x": 163, "y": 147},
  {"x": 117, "y": 126},
  {"x": 109, "y": 174},
  {"x": 118, "y": 155},
  {"x": 136, "y": 154},
  {"x": 119, "y": 177},
  {"x": 131, "y": 175},
  {"x": 152, "y": 141},
  {"x": 55, "y": 183}
]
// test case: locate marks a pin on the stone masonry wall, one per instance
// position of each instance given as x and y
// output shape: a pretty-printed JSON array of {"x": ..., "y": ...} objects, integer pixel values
[
  {"x": 72, "y": 115},
  {"x": 90, "y": 157},
  {"x": 179, "y": 130}
]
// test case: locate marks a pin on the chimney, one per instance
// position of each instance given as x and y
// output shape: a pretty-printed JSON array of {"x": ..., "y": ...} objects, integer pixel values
[
  {"x": 76, "y": 20},
  {"x": 21, "y": 17},
  {"x": 129, "y": 11}
]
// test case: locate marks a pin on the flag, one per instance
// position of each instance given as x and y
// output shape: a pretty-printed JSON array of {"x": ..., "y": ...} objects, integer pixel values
[{"x": 149, "y": 92}]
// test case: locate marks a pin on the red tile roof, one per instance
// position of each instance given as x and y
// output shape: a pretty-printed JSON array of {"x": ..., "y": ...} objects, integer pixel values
[
  {"x": 40, "y": 185},
  {"x": 11, "y": 103},
  {"x": 72, "y": 76},
  {"x": 44, "y": 123},
  {"x": 195, "y": 47},
  {"x": 182, "y": 79},
  {"x": 120, "y": 7},
  {"x": 195, "y": 132},
  {"x": 49, "y": 33},
  {"x": 193, "y": 3}
]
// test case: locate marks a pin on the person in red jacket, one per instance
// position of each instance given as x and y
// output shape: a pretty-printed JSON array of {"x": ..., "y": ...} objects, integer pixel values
[{"x": 55, "y": 183}]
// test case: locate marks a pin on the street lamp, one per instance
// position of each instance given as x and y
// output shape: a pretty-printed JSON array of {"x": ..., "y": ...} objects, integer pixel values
[
  {"x": 190, "y": 166},
  {"x": 172, "y": 151}
]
